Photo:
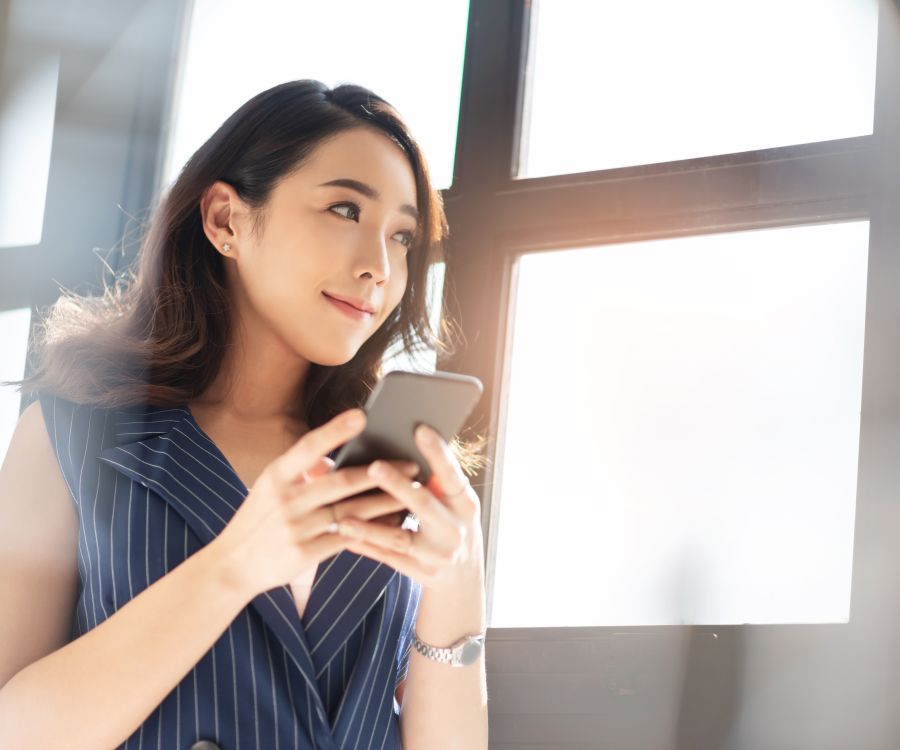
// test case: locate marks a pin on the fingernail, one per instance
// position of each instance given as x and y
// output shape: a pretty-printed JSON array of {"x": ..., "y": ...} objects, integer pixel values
[
  {"x": 378, "y": 469},
  {"x": 411, "y": 468},
  {"x": 348, "y": 530}
]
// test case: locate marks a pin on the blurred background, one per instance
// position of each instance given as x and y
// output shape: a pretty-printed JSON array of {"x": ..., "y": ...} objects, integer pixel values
[{"x": 675, "y": 256}]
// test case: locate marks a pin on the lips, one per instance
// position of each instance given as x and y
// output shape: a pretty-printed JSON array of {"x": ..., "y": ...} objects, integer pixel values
[{"x": 358, "y": 303}]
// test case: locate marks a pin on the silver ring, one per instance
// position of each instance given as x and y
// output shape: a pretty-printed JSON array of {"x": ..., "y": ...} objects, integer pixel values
[{"x": 334, "y": 525}]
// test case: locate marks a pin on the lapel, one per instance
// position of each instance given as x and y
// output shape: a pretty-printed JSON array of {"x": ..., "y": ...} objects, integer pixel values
[{"x": 165, "y": 450}]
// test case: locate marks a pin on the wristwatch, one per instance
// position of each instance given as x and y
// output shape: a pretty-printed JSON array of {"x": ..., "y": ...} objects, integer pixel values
[{"x": 461, "y": 654}]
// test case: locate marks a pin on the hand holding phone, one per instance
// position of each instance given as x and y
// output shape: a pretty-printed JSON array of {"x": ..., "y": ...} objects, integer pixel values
[{"x": 397, "y": 405}]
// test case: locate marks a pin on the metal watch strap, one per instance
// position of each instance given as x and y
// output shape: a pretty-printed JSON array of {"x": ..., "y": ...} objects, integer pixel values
[{"x": 443, "y": 655}]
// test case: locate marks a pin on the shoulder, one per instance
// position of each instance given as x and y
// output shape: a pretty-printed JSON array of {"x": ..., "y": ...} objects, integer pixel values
[
  {"x": 55, "y": 410},
  {"x": 38, "y": 542},
  {"x": 36, "y": 437},
  {"x": 74, "y": 431},
  {"x": 31, "y": 467},
  {"x": 31, "y": 434}
]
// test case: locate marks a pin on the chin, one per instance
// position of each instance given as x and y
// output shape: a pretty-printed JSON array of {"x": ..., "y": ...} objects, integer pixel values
[{"x": 335, "y": 357}]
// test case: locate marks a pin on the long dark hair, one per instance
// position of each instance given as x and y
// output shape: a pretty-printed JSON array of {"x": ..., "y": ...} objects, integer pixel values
[{"x": 159, "y": 335}]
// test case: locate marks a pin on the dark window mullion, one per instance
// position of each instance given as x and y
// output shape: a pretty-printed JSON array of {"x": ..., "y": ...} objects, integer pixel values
[
  {"x": 489, "y": 102},
  {"x": 821, "y": 188},
  {"x": 800, "y": 186},
  {"x": 475, "y": 287}
]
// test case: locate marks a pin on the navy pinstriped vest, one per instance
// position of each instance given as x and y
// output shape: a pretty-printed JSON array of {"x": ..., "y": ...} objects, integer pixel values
[{"x": 151, "y": 489}]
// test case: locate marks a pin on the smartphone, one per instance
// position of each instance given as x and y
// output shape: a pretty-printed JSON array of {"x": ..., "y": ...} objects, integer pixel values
[{"x": 399, "y": 402}]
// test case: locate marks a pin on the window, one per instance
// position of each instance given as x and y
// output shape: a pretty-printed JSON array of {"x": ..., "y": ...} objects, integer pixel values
[
  {"x": 682, "y": 430},
  {"x": 620, "y": 84},
  {"x": 28, "y": 92},
  {"x": 409, "y": 52}
]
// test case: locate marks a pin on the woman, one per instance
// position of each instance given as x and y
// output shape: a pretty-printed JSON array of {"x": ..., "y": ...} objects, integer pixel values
[{"x": 208, "y": 581}]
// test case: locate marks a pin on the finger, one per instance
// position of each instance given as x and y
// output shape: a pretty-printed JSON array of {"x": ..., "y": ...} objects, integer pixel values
[
  {"x": 404, "y": 564},
  {"x": 331, "y": 487},
  {"x": 396, "y": 540},
  {"x": 319, "y": 521},
  {"x": 400, "y": 541},
  {"x": 325, "y": 545},
  {"x": 431, "y": 511},
  {"x": 315, "y": 444},
  {"x": 370, "y": 506},
  {"x": 445, "y": 470},
  {"x": 320, "y": 468},
  {"x": 325, "y": 465}
]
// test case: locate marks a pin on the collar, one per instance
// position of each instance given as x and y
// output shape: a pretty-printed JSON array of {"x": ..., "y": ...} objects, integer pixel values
[{"x": 165, "y": 450}]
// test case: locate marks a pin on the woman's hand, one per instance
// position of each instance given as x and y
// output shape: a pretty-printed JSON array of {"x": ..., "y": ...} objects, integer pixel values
[
  {"x": 447, "y": 548},
  {"x": 288, "y": 520}
]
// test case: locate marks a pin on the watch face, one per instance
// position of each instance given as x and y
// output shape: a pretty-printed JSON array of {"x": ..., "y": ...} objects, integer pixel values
[{"x": 470, "y": 653}]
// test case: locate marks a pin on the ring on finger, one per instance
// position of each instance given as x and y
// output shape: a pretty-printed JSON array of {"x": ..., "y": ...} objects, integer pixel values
[{"x": 333, "y": 526}]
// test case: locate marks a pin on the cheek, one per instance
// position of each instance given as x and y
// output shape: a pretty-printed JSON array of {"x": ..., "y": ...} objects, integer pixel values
[
  {"x": 276, "y": 273},
  {"x": 274, "y": 280},
  {"x": 399, "y": 278},
  {"x": 396, "y": 285}
]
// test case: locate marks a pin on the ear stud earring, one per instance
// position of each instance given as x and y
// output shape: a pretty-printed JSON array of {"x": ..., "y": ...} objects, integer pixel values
[{"x": 226, "y": 247}]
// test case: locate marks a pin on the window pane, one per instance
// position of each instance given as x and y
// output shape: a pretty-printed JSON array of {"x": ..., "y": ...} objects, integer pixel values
[
  {"x": 14, "y": 325},
  {"x": 620, "y": 84},
  {"x": 237, "y": 49},
  {"x": 28, "y": 91},
  {"x": 682, "y": 431}
]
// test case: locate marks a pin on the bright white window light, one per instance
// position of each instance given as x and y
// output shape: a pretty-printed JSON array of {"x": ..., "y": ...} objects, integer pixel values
[
  {"x": 409, "y": 52},
  {"x": 682, "y": 427},
  {"x": 28, "y": 88},
  {"x": 615, "y": 84}
]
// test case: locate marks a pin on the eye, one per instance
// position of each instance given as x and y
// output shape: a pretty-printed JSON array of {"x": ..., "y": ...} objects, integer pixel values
[
  {"x": 354, "y": 208},
  {"x": 408, "y": 236}
]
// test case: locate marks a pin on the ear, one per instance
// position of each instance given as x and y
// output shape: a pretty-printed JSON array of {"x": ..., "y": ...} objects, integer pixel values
[{"x": 222, "y": 215}]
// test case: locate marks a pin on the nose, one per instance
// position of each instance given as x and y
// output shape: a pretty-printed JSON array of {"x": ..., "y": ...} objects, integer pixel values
[{"x": 374, "y": 259}]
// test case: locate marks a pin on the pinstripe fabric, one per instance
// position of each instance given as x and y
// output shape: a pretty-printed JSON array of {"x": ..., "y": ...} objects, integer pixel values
[{"x": 151, "y": 488}]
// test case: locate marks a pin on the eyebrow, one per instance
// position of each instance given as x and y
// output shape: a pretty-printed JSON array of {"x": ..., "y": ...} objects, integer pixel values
[{"x": 369, "y": 192}]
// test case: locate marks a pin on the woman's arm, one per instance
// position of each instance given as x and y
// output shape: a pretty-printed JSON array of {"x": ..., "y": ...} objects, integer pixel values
[
  {"x": 97, "y": 690},
  {"x": 444, "y": 706}
]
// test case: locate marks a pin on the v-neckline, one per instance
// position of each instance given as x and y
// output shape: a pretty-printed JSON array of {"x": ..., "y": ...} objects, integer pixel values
[
  {"x": 220, "y": 454},
  {"x": 322, "y": 565}
]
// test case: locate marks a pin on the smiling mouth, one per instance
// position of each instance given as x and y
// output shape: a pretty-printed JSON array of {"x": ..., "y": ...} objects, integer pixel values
[
  {"x": 357, "y": 302},
  {"x": 349, "y": 310}
]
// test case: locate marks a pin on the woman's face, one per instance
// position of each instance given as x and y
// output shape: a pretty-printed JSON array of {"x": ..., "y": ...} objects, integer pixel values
[{"x": 322, "y": 241}]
